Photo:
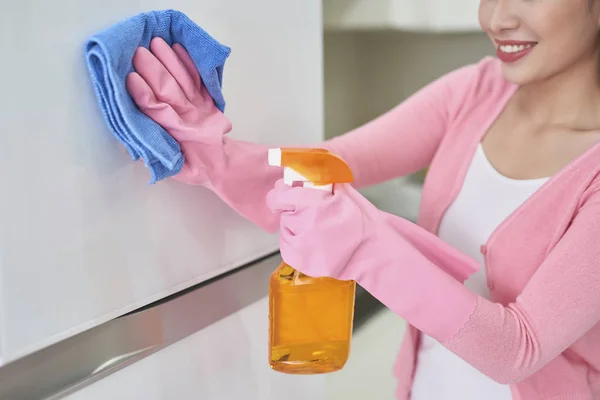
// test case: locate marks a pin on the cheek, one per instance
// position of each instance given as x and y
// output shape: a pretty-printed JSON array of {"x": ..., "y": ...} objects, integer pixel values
[
  {"x": 566, "y": 28},
  {"x": 485, "y": 15},
  {"x": 566, "y": 39}
]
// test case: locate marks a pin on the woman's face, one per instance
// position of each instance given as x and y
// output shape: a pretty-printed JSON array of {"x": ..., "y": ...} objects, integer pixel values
[{"x": 537, "y": 39}]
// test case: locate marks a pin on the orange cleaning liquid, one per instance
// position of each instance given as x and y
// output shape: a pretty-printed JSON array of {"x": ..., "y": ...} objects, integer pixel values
[{"x": 310, "y": 322}]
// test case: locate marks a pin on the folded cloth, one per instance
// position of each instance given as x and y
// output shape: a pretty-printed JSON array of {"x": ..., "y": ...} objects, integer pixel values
[{"x": 109, "y": 55}]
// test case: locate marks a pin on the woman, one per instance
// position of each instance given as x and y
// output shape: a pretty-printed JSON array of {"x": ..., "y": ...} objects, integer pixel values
[{"x": 512, "y": 148}]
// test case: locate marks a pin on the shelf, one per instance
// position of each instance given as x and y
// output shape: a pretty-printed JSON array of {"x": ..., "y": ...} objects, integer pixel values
[{"x": 405, "y": 15}]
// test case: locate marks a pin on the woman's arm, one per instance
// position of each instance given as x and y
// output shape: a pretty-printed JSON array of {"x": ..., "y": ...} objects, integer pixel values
[
  {"x": 405, "y": 139},
  {"x": 558, "y": 306},
  {"x": 400, "y": 142},
  {"x": 420, "y": 277},
  {"x": 509, "y": 343},
  {"x": 167, "y": 87}
]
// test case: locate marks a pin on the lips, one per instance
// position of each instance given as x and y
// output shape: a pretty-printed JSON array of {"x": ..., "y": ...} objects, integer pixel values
[{"x": 509, "y": 51}]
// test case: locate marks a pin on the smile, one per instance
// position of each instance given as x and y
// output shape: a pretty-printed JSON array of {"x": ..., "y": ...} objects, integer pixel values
[
  {"x": 511, "y": 51},
  {"x": 514, "y": 48}
]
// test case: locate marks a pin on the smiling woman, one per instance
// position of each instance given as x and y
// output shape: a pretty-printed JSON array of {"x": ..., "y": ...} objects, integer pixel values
[
  {"x": 548, "y": 53},
  {"x": 559, "y": 33}
]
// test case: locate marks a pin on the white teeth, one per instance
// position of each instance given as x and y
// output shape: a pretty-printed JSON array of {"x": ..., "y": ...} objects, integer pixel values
[{"x": 514, "y": 48}]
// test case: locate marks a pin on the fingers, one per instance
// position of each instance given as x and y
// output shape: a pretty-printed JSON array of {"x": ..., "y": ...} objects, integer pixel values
[
  {"x": 284, "y": 198},
  {"x": 139, "y": 90},
  {"x": 158, "y": 78},
  {"x": 274, "y": 198},
  {"x": 188, "y": 63},
  {"x": 175, "y": 65},
  {"x": 143, "y": 96},
  {"x": 185, "y": 58}
]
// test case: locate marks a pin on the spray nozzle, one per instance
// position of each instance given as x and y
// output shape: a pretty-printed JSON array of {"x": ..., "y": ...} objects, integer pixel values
[{"x": 316, "y": 168}]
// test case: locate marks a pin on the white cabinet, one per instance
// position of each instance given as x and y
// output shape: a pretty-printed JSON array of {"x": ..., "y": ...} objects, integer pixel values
[
  {"x": 83, "y": 237},
  {"x": 209, "y": 343},
  {"x": 409, "y": 15},
  {"x": 225, "y": 361}
]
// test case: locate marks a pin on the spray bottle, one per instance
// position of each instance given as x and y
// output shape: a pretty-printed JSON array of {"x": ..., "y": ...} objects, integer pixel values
[{"x": 310, "y": 318}]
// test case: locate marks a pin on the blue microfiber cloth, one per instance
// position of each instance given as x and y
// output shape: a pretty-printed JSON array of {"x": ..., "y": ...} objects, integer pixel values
[{"x": 109, "y": 57}]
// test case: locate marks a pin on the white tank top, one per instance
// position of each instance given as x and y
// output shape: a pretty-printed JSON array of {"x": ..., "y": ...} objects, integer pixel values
[{"x": 485, "y": 200}]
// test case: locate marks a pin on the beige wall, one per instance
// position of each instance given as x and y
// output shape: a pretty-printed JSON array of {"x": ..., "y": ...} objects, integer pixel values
[{"x": 366, "y": 73}]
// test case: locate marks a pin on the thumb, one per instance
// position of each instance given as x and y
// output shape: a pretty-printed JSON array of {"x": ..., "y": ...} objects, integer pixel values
[{"x": 275, "y": 196}]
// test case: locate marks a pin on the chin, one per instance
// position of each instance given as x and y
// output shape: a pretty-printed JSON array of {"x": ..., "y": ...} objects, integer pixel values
[{"x": 520, "y": 75}]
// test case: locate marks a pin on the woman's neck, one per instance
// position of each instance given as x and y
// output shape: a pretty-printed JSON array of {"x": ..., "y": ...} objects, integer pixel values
[{"x": 570, "y": 99}]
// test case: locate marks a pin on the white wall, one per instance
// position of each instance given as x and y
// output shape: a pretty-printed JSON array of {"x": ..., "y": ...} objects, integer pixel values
[{"x": 83, "y": 237}]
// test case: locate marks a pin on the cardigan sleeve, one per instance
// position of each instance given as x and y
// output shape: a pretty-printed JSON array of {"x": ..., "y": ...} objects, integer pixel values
[
  {"x": 404, "y": 139},
  {"x": 558, "y": 306},
  {"x": 399, "y": 142}
]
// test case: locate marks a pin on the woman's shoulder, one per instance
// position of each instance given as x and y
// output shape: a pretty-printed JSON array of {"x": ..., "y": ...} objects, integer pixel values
[
  {"x": 477, "y": 85},
  {"x": 487, "y": 70}
]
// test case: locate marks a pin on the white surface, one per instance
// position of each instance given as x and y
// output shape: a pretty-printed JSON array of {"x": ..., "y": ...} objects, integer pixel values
[
  {"x": 238, "y": 368},
  {"x": 274, "y": 156},
  {"x": 290, "y": 176},
  {"x": 83, "y": 238},
  {"x": 368, "y": 375},
  {"x": 485, "y": 200},
  {"x": 413, "y": 15},
  {"x": 241, "y": 371}
]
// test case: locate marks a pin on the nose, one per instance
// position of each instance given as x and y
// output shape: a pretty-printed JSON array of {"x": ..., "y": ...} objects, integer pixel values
[{"x": 503, "y": 16}]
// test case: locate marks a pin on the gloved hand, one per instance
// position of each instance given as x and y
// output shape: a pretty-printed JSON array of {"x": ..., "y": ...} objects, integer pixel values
[
  {"x": 343, "y": 236},
  {"x": 166, "y": 86}
]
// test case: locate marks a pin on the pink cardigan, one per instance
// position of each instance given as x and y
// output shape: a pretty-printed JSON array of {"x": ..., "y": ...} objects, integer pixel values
[{"x": 540, "y": 332}]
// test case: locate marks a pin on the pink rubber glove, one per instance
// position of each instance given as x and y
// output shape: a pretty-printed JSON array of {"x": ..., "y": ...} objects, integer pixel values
[
  {"x": 167, "y": 88},
  {"x": 344, "y": 236}
]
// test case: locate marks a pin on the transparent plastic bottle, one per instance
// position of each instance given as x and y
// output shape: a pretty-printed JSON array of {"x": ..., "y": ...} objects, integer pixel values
[
  {"x": 311, "y": 322},
  {"x": 310, "y": 319}
]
